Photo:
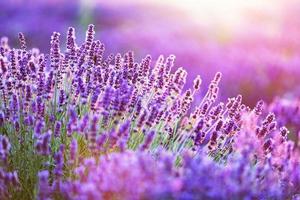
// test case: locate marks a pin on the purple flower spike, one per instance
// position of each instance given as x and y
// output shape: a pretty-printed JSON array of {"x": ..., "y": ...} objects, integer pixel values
[
  {"x": 148, "y": 140},
  {"x": 43, "y": 144}
]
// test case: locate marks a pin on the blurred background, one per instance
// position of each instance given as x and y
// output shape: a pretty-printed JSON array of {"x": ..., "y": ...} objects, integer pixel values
[{"x": 254, "y": 43}]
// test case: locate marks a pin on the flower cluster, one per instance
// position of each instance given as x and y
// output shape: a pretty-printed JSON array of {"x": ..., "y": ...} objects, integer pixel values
[
  {"x": 273, "y": 56},
  {"x": 255, "y": 45},
  {"x": 82, "y": 125}
]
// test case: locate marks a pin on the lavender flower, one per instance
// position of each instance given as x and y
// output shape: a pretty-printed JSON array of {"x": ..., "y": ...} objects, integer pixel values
[
  {"x": 116, "y": 120},
  {"x": 4, "y": 148},
  {"x": 43, "y": 144}
]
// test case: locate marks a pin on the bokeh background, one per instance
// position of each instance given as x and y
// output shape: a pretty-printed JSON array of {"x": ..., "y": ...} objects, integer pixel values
[{"x": 254, "y": 43}]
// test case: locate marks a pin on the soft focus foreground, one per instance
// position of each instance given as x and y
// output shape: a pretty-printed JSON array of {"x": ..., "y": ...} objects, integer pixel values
[
  {"x": 76, "y": 124},
  {"x": 255, "y": 44}
]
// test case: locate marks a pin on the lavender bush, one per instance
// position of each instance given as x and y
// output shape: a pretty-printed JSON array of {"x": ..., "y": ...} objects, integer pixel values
[
  {"x": 265, "y": 47},
  {"x": 258, "y": 54},
  {"x": 81, "y": 125}
]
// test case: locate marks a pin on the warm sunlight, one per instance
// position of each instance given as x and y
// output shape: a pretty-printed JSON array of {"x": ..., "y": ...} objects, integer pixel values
[{"x": 226, "y": 12}]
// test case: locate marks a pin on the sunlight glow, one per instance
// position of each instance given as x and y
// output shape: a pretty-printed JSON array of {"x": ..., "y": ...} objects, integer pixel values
[{"x": 225, "y": 12}]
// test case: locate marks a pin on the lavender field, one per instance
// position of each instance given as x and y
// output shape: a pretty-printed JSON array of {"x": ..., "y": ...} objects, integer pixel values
[{"x": 149, "y": 100}]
